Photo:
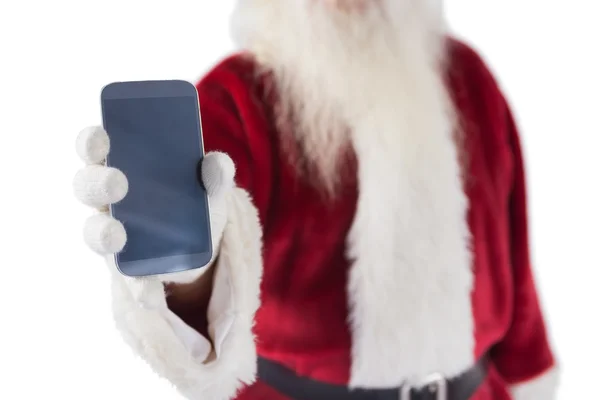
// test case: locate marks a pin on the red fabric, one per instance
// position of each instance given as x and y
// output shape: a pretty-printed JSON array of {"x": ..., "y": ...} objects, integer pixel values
[{"x": 302, "y": 320}]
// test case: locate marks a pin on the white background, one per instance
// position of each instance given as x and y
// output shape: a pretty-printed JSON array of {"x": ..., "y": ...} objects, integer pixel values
[{"x": 57, "y": 336}]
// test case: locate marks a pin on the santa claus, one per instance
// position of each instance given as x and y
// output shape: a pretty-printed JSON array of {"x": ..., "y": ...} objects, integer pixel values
[{"x": 373, "y": 243}]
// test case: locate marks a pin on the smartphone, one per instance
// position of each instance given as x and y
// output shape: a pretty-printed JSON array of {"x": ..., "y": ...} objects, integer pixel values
[{"x": 156, "y": 140}]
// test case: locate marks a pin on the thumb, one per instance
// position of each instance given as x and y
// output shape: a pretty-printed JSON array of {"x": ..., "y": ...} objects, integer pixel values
[{"x": 217, "y": 172}]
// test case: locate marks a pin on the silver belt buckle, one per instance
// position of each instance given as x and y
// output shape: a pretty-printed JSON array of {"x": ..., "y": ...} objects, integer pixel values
[{"x": 435, "y": 383}]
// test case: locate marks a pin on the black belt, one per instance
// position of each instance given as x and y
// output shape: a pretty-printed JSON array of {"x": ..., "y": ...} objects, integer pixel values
[{"x": 296, "y": 387}]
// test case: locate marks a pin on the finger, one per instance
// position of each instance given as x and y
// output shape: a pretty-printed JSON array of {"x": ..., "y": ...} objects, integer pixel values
[
  {"x": 218, "y": 172},
  {"x": 104, "y": 234},
  {"x": 92, "y": 145},
  {"x": 98, "y": 186}
]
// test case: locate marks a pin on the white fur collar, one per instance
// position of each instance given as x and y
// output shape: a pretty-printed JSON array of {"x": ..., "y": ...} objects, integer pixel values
[{"x": 411, "y": 280}]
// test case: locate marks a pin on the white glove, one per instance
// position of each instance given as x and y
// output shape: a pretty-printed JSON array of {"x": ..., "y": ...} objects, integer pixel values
[{"x": 98, "y": 186}]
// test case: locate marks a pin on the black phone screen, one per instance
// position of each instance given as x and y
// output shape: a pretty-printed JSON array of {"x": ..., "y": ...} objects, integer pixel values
[{"x": 156, "y": 142}]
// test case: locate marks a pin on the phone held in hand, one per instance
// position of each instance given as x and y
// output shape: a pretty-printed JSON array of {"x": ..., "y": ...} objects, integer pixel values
[{"x": 156, "y": 141}]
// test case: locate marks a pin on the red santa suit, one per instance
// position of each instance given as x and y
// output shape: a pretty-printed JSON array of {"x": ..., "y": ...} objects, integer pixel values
[
  {"x": 303, "y": 321},
  {"x": 412, "y": 268}
]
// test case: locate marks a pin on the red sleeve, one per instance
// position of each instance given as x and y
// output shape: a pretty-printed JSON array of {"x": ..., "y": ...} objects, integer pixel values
[
  {"x": 525, "y": 352},
  {"x": 234, "y": 122}
]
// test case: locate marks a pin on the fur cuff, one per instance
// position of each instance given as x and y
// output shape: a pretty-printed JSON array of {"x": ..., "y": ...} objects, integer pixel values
[
  {"x": 150, "y": 332},
  {"x": 542, "y": 387}
]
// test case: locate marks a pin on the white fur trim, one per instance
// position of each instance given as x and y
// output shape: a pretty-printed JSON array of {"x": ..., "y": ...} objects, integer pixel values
[
  {"x": 411, "y": 281},
  {"x": 542, "y": 387},
  {"x": 178, "y": 355}
]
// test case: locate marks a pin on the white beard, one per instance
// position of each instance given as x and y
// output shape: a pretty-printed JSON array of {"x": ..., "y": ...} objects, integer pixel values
[{"x": 349, "y": 73}]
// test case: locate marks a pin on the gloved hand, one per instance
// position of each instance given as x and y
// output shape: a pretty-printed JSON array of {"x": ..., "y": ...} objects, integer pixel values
[{"x": 98, "y": 186}]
